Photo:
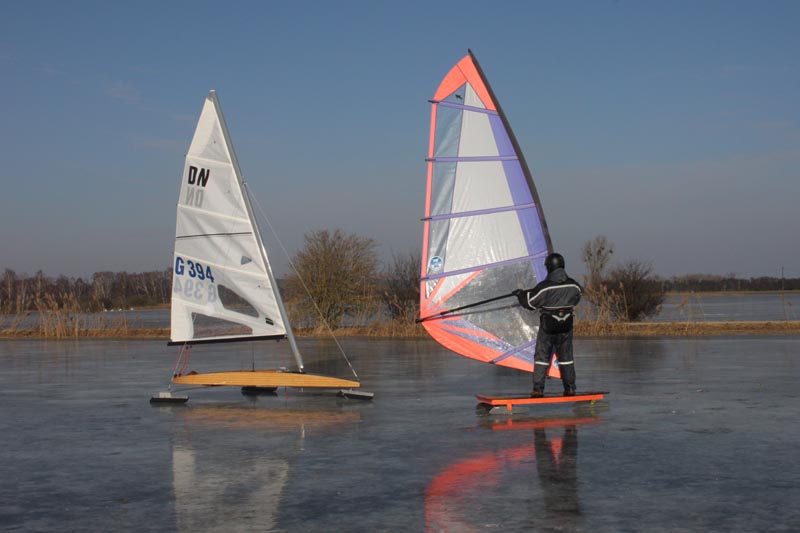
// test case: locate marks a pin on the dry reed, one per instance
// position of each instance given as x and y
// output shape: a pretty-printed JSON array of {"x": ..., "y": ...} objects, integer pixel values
[{"x": 61, "y": 317}]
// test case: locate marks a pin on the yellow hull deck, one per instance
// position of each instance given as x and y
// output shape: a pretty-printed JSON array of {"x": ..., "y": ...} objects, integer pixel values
[{"x": 265, "y": 378}]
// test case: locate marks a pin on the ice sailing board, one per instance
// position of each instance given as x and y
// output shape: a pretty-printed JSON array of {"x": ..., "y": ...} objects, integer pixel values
[
  {"x": 484, "y": 232},
  {"x": 508, "y": 401},
  {"x": 223, "y": 286}
]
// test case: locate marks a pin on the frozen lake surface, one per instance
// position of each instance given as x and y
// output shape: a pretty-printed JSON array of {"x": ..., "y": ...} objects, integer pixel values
[
  {"x": 722, "y": 306},
  {"x": 698, "y": 434}
]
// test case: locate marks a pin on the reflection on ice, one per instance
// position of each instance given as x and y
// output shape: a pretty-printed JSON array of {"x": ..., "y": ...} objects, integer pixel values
[
  {"x": 274, "y": 420},
  {"x": 531, "y": 485},
  {"x": 213, "y": 493},
  {"x": 231, "y": 462}
]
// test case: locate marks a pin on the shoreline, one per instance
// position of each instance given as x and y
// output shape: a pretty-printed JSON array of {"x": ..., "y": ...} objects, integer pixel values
[
  {"x": 728, "y": 293},
  {"x": 687, "y": 329},
  {"x": 582, "y": 330}
]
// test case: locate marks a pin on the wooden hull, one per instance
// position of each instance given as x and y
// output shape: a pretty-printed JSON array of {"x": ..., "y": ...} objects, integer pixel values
[{"x": 265, "y": 378}]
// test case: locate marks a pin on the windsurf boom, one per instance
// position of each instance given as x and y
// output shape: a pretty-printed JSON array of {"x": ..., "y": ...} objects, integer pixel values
[{"x": 484, "y": 233}]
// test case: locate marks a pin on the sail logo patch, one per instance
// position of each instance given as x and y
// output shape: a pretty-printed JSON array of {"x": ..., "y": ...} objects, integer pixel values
[{"x": 435, "y": 264}]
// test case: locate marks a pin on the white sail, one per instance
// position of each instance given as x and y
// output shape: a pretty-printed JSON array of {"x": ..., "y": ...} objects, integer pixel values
[{"x": 223, "y": 287}]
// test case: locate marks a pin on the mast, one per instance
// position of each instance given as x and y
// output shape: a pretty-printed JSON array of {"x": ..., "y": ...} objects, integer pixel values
[{"x": 243, "y": 187}]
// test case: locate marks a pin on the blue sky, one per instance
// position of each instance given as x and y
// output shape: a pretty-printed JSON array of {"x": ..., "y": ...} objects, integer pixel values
[{"x": 673, "y": 128}]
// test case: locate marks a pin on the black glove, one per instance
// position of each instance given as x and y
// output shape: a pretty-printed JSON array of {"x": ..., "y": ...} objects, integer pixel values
[{"x": 522, "y": 297}]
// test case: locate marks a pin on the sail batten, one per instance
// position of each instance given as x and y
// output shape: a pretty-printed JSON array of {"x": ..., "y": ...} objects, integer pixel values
[
  {"x": 513, "y": 351},
  {"x": 468, "y": 159},
  {"x": 484, "y": 233},
  {"x": 252, "y": 274},
  {"x": 201, "y": 235},
  {"x": 483, "y": 266},
  {"x": 462, "y": 214},
  {"x": 201, "y": 212},
  {"x": 465, "y": 107},
  {"x": 224, "y": 159}
]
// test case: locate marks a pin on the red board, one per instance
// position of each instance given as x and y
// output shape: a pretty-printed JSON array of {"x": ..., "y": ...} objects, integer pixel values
[{"x": 509, "y": 401}]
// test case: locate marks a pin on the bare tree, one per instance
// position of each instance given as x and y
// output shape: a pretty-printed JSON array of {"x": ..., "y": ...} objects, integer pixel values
[
  {"x": 640, "y": 293},
  {"x": 101, "y": 288},
  {"x": 596, "y": 254},
  {"x": 8, "y": 293},
  {"x": 401, "y": 289},
  {"x": 335, "y": 271}
]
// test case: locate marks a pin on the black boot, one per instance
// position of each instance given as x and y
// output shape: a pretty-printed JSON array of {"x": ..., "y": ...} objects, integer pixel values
[
  {"x": 539, "y": 379},
  {"x": 568, "y": 379}
]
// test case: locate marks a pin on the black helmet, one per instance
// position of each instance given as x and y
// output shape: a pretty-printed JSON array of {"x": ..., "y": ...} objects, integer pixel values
[{"x": 553, "y": 262}]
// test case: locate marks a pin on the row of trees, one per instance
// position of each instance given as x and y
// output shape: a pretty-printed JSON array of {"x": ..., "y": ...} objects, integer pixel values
[
  {"x": 338, "y": 280},
  {"x": 105, "y": 290},
  {"x": 729, "y": 282}
]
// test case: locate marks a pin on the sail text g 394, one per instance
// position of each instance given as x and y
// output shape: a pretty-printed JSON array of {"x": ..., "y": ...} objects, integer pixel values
[{"x": 189, "y": 280}]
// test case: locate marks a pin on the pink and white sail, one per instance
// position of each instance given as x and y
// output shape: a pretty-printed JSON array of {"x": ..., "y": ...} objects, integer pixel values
[{"x": 484, "y": 231}]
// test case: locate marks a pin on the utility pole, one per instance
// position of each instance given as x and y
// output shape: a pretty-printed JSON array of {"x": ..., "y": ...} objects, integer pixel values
[{"x": 781, "y": 278}]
